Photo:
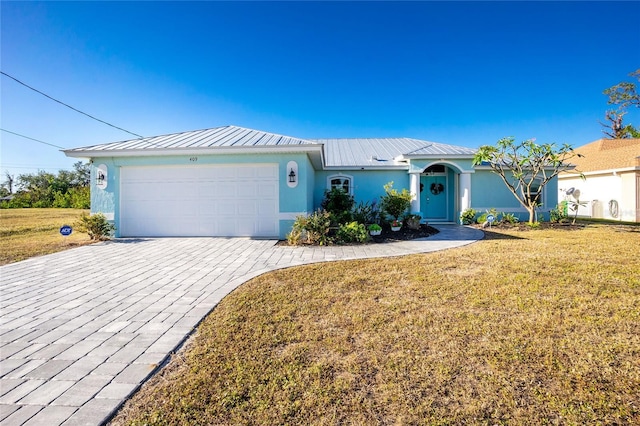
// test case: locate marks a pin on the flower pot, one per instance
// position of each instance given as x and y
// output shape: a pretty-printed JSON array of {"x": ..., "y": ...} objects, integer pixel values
[
  {"x": 375, "y": 233},
  {"x": 396, "y": 228}
]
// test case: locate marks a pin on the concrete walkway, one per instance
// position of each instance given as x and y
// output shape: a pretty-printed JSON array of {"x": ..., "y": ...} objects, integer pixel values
[{"x": 81, "y": 330}]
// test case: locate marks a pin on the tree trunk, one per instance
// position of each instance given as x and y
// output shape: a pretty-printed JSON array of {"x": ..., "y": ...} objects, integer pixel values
[{"x": 532, "y": 214}]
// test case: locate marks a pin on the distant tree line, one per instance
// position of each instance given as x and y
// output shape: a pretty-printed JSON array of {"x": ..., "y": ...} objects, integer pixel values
[{"x": 66, "y": 189}]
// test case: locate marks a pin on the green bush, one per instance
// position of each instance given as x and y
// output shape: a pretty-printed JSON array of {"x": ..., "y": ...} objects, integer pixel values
[
  {"x": 366, "y": 212},
  {"x": 395, "y": 203},
  {"x": 558, "y": 214},
  {"x": 352, "y": 232},
  {"x": 468, "y": 216},
  {"x": 311, "y": 229},
  {"x": 339, "y": 205},
  {"x": 509, "y": 218},
  {"x": 97, "y": 226}
]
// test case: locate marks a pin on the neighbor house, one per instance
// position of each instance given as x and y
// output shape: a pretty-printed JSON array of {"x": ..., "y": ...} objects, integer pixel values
[
  {"x": 611, "y": 185},
  {"x": 232, "y": 181}
]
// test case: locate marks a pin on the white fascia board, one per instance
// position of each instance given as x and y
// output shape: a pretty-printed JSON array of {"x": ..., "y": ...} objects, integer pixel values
[
  {"x": 394, "y": 167},
  {"x": 156, "y": 152},
  {"x": 405, "y": 157},
  {"x": 602, "y": 172},
  {"x": 483, "y": 167}
]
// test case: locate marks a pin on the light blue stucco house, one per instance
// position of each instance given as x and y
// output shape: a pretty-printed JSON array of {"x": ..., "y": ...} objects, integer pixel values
[{"x": 232, "y": 181}]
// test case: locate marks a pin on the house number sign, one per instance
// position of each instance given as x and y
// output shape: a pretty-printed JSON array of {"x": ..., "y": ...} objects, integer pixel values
[{"x": 193, "y": 159}]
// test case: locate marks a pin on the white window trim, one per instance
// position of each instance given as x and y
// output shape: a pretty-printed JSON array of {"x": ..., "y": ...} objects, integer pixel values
[{"x": 342, "y": 176}]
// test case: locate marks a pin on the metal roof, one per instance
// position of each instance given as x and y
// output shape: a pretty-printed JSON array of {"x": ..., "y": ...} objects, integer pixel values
[
  {"x": 381, "y": 152},
  {"x": 347, "y": 153},
  {"x": 217, "y": 137}
]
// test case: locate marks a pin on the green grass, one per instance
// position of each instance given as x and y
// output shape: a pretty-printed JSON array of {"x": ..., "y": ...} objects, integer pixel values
[
  {"x": 26, "y": 233},
  {"x": 525, "y": 327}
]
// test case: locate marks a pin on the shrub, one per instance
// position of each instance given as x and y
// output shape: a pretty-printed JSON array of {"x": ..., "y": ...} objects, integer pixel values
[
  {"x": 557, "y": 215},
  {"x": 395, "y": 203},
  {"x": 366, "y": 212},
  {"x": 311, "y": 229},
  {"x": 352, "y": 232},
  {"x": 468, "y": 216},
  {"x": 339, "y": 205},
  {"x": 97, "y": 226},
  {"x": 509, "y": 218}
]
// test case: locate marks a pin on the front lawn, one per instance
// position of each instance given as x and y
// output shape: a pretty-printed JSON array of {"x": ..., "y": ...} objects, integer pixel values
[
  {"x": 25, "y": 233},
  {"x": 524, "y": 327}
]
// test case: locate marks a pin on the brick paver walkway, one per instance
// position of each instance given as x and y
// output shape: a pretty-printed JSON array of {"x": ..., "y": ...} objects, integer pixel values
[{"x": 81, "y": 330}]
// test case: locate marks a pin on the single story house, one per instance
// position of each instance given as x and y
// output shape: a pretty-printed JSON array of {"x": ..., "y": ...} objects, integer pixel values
[
  {"x": 233, "y": 181},
  {"x": 611, "y": 188}
]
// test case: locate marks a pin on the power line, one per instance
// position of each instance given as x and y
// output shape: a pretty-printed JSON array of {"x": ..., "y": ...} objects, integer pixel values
[
  {"x": 36, "y": 140},
  {"x": 69, "y": 106}
]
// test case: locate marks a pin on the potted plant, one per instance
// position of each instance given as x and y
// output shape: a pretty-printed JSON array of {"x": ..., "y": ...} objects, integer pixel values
[
  {"x": 396, "y": 225},
  {"x": 413, "y": 221},
  {"x": 375, "y": 229},
  {"x": 395, "y": 203}
]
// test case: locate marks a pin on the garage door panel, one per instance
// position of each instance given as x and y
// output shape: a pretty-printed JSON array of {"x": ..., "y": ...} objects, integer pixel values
[{"x": 234, "y": 200}]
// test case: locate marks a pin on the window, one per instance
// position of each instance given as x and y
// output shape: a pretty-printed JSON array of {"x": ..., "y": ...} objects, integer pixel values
[
  {"x": 535, "y": 192},
  {"x": 341, "y": 182}
]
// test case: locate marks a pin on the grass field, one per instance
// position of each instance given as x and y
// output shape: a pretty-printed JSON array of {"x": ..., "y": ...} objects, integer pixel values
[
  {"x": 524, "y": 327},
  {"x": 26, "y": 233}
]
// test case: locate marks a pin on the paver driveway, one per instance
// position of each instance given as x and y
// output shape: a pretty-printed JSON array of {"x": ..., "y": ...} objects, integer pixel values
[{"x": 80, "y": 330}]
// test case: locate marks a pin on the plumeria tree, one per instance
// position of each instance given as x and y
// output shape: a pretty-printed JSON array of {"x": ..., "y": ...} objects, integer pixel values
[{"x": 525, "y": 167}]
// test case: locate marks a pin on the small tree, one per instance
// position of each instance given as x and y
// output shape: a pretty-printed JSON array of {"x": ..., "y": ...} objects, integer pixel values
[
  {"x": 525, "y": 168},
  {"x": 395, "y": 203}
]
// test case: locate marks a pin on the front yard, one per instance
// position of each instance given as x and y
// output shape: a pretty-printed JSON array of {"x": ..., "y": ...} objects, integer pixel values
[
  {"x": 26, "y": 233},
  {"x": 524, "y": 327}
]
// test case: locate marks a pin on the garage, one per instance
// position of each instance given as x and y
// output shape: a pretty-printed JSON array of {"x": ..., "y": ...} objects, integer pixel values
[{"x": 235, "y": 200}]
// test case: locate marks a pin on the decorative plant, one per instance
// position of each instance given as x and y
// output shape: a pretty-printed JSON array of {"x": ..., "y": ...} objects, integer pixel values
[
  {"x": 413, "y": 221},
  {"x": 468, "y": 216},
  {"x": 366, "y": 212},
  {"x": 509, "y": 218},
  {"x": 97, "y": 226},
  {"x": 396, "y": 223},
  {"x": 339, "y": 204},
  {"x": 311, "y": 229},
  {"x": 352, "y": 232},
  {"x": 374, "y": 227},
  {"x": 395, "y": 203}
]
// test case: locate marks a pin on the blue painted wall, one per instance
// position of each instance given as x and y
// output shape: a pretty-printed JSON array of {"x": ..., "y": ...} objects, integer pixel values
[
  {"x": 368, "y": 185},
  {"x": 292, "y": 200},
  {"x": 489, "y": 191}
]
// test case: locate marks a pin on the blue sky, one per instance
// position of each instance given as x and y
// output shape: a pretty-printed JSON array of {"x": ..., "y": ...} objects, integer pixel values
[{"x": 464, "y": 73}]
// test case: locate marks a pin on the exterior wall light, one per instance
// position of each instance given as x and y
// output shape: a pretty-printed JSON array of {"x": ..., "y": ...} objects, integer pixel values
[
  {"x": 292, "y": 175},
  {"x": 101, "y": 176}
]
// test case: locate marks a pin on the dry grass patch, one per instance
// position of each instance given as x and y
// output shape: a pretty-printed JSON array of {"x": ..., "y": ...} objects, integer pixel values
[
  {"x": 26, "y": 233},
  {"x": 537, "y": 327}
]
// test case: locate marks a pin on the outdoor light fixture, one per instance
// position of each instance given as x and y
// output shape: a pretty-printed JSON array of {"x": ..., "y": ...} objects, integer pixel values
[
  {"x": 100, "y": 178},
  {"x": 292, "y": 176}
]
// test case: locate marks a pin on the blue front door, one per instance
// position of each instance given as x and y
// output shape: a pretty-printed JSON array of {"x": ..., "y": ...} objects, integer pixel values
[{"x": 433, "y": 198}]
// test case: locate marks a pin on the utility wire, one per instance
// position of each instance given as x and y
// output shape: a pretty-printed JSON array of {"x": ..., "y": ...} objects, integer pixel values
[
  {"x": 37, "y": 140},
  {"x": 69, "y": 106}
]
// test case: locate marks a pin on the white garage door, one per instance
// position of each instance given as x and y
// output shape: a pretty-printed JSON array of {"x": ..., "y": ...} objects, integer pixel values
[{"x": 239, "y": 200}]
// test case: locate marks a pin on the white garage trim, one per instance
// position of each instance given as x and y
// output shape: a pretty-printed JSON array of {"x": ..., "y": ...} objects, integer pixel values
[{"x": 234, "y": 200}]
